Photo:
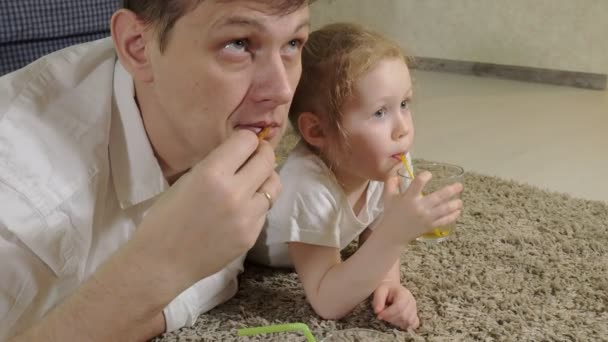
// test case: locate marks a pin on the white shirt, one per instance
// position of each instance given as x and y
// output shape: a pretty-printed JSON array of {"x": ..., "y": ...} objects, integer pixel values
[
  {"x": 313, "y": 209},
  {"x": 77, "y": 174}
]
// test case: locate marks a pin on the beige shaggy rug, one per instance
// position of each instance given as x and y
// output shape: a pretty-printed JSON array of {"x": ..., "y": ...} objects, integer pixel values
[{"x": 524, "y": 265}]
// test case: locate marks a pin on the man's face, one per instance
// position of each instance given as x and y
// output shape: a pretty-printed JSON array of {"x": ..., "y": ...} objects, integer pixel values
[{"x": 228, "y": 65}]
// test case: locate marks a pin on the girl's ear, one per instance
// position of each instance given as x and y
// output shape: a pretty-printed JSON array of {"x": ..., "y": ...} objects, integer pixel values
[{"x": 311, "y": 129}]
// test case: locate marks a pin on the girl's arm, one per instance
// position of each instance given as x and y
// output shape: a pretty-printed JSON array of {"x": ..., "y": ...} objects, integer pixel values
[
  {"x": 394, "y": 274},
  {"x": 335, "y": 288}
]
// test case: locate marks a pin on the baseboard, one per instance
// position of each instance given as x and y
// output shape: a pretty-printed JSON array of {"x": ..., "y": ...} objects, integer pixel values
[{"x": 557, "y": 77}]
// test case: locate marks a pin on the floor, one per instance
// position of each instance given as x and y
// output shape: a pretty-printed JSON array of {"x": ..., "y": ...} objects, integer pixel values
[{"x": 549, "y": 136}]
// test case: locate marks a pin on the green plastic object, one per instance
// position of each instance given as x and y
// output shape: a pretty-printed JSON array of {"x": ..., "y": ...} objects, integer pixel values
[{"x": 279, "y": 328}]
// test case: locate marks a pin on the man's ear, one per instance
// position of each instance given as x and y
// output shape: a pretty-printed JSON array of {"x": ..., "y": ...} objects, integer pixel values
[
  {"x": 312, "y": 130},
  {"x": 132, "y": 42}
]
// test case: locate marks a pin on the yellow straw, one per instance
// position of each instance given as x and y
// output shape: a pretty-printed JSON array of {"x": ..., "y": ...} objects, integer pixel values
[
  {"x": 407, "y": 166},
  {"x": 411, "y": 174}
]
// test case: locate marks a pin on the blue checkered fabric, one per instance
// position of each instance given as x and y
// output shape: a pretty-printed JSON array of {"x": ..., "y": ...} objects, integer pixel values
[{"x": 30, "y": 29}]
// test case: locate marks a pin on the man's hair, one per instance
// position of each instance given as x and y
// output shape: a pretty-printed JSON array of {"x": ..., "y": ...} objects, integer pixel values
[
  {"x": 162, "y": 14},
  {"x": 333, "y": 60}
]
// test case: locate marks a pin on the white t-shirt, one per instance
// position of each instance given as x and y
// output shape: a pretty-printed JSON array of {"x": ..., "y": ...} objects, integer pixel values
[
  {"x": 77, "y": 174},
  {"x": 313, "y": 209}
]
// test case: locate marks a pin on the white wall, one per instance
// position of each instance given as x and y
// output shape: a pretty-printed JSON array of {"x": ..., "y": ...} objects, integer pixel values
[{"x": 555, "y": 34}]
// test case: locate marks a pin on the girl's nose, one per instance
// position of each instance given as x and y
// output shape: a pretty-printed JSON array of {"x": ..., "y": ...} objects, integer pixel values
[{"x": 400, "y": 129}]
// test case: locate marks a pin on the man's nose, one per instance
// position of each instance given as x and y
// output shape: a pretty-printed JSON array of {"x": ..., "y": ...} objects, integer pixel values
[{"x": 273, "y": 82}]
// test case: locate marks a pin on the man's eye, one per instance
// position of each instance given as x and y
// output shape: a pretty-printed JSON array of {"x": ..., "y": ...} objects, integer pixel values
[
  {"x": 294, "y": 45},
  {"x": 405, "y": 104},
  {"x": 237, "y": 44}
]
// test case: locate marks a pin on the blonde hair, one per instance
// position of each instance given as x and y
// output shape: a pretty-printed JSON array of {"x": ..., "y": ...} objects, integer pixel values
[{"x": 333, "y": 60}]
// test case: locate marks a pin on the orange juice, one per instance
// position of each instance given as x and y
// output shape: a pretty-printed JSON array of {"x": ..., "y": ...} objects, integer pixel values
[
  {"x": 437, "y": 234},
  {"x": 443, "y": 175}
]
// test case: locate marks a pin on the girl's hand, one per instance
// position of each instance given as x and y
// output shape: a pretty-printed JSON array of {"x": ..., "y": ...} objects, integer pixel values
[
  {"x": 395, "y": 304},
  {"x": 410, "y": 214}
]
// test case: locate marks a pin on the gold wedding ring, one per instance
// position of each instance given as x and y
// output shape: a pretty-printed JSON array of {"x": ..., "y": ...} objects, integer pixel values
[{"x": 268, "y": 197}]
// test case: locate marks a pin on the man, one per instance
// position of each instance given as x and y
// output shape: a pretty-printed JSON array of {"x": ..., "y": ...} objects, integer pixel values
[{"x": 130, "y": 168}]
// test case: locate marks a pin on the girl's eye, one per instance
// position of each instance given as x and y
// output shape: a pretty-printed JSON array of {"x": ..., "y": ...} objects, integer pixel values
[
  {"x": 380, "y": 113},
  {"x": 405, "y": 104}
]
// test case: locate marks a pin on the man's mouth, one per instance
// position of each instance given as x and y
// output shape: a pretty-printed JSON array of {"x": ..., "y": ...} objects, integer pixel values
[
  {"x": 263, "y": 131},
  {"x": 254, "y": 129}
]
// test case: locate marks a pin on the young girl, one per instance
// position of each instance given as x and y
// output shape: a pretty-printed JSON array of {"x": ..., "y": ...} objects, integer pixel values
[{"x": 351, "y": 109}]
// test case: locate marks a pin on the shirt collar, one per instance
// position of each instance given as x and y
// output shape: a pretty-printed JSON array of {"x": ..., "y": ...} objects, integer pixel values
[{"x": 136, "y": 174}]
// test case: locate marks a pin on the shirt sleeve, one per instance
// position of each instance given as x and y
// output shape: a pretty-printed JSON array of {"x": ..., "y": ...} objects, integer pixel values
[
  {"x": 26, "y": 284},
  {"x": 376, "y": 204},
  {"x": 203, "y": 296},
  {"x": 307, "y": 212}
]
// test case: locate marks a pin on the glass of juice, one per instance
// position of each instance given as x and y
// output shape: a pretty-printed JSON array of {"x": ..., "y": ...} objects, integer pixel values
[{"x": 443, "y": 174}]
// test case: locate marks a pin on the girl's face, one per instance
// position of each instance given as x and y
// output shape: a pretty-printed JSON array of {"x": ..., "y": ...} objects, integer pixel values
[{"x": 377, "y": 122}]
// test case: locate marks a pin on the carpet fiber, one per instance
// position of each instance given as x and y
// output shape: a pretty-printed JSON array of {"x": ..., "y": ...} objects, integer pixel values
[{"x": 525, "y": 264}]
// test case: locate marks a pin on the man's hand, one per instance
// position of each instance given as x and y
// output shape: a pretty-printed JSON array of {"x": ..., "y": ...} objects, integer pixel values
[
  {"x": 395, "y": 304},
  {"x": 208, "y": 218},
  {"x": 212, "y": 214}
]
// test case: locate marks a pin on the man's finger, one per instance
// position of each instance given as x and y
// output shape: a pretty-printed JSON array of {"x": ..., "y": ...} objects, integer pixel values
[
  {"x": 257, "y": 169},
  {"x": 233, "y": 152},
  {"x": 266, "y": 196}
]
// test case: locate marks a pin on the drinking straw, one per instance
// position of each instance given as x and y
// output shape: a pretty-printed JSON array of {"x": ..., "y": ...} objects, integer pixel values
[
  {"x": 279, "y": 328},
  {"x": 411, "y": 174},
  {"x": 407, "y": 166}
]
